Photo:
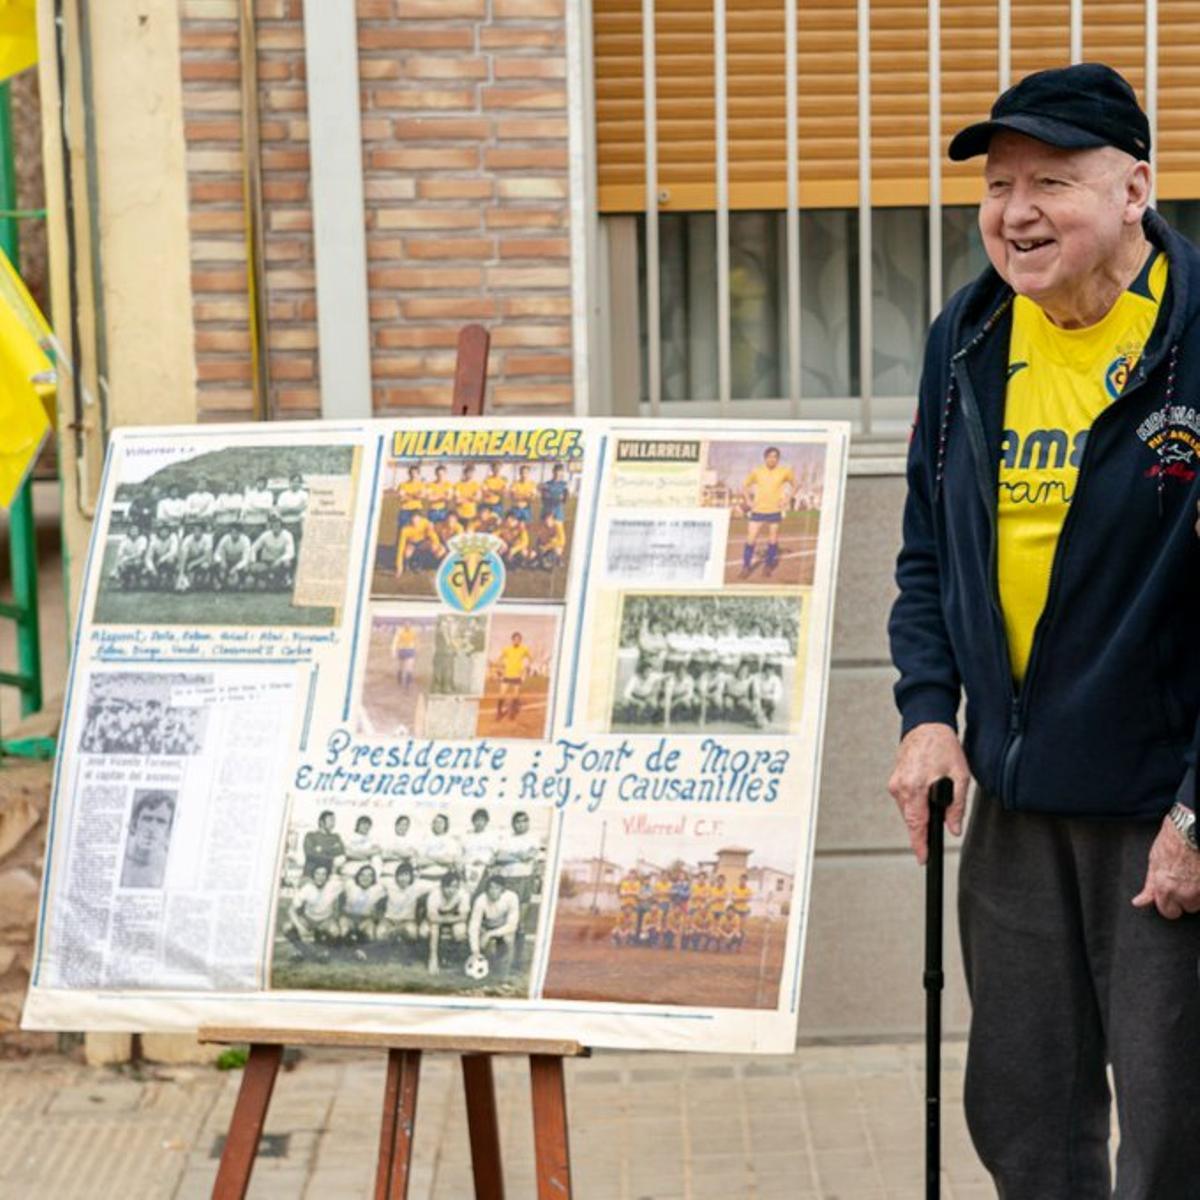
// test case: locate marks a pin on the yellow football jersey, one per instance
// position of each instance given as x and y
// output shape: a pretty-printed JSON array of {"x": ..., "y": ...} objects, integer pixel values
[
  {"x": 1059, "y": 381},
  {"x": 405, "y": 639},
  {"x": 438, "y": 493},
  {"x": 412, "y": 494},
  {"x": 466, "y": 492},
  {"x": 770, "y": 487},
  {"x": 523, "y": 493},
  {"x": 513, "y": 660},
  {"x": 494, "y": 487}
]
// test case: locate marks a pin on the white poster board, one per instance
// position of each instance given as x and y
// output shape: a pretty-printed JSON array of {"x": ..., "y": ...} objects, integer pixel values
[{"x": 481, "y": 728}]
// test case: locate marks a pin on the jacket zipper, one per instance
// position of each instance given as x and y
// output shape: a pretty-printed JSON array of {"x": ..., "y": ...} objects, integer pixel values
[
  {"x": 988, "y": 486},
  {"x": 1019, "y": 697}
]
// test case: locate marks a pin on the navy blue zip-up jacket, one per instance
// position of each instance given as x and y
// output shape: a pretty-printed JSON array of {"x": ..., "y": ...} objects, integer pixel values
[{"x": 1105, "y": 722}]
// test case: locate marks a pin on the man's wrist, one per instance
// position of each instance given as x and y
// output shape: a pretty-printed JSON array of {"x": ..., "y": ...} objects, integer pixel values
[{"x": 1184, "y": 821}]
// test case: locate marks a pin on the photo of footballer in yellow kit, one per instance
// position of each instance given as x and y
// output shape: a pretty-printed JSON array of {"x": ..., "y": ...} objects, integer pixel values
[
  {"x": 774, "y": 493},
  {"x": 520, "y": 486},
  {"x": 521, "y": 650}
]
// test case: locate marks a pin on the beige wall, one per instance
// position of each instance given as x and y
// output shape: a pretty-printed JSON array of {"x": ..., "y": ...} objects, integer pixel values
[{"x": 142, "y": 220}]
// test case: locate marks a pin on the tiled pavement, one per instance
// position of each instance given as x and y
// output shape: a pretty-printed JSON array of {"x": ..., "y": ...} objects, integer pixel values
[{"x": 832, "y": 1122}]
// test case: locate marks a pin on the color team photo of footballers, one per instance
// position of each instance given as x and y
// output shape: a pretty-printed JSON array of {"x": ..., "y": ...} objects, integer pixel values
[
  {"x": 528, "y": 506},
  {"x": 774, "y": 495},
  {"x": 660, "y": 911}
]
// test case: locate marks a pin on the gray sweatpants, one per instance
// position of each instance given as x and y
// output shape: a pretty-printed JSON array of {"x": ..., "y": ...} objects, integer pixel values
[{"x": 1064, "y": 976}]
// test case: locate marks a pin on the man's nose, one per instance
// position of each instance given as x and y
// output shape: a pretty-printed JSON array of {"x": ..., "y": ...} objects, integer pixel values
[{"x": 1020, "y": 208}]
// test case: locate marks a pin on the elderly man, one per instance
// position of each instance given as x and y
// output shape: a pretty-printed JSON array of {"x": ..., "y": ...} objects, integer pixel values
[{"x": 1050, "y": 572}]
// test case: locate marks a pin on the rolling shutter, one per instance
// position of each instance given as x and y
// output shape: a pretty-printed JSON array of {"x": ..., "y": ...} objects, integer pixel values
[{"x": 827, "y": 69}]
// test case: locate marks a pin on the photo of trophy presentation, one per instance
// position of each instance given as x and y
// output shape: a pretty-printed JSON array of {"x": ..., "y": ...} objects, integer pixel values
[
  {"x": 435, "y": 674},
  {"x": 245, "y": 535},
  {"x": 681, "y": 908},
  {"x": 774, "y": 493},
  {"x": 692, "y": 662},
  {"x": 527, "y": 504},
  {"x": 410, "y": 897}
]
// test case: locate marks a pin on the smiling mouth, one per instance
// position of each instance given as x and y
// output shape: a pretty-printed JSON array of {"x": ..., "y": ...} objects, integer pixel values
[{"x": 1028, "y": 245}]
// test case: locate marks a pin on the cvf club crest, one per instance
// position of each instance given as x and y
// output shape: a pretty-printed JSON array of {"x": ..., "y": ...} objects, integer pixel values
[{"x": 471, "y": 576}]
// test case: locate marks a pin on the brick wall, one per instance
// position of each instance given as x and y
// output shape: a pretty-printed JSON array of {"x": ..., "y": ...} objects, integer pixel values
[{"x": 464, "y": 133}]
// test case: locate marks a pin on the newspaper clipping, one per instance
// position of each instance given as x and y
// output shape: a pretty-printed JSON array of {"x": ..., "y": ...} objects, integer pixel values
[{"x": 489, "y": 728}]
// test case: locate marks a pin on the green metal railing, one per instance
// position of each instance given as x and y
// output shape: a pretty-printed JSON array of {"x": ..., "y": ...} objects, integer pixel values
[{"x": 23, "y": 609}]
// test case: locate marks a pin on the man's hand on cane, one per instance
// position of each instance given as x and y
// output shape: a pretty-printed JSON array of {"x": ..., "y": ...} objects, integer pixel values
[{"x": 928, "y": 753}]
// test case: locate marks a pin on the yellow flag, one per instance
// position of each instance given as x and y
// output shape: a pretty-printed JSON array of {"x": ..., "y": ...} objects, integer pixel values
[
  {"x": 18, "y": 36},
  {"x": 26, "y": 377}
]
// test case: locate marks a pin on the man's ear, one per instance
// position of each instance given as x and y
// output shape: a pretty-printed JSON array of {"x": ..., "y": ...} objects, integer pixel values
[{"x": 1139, "y": 186}]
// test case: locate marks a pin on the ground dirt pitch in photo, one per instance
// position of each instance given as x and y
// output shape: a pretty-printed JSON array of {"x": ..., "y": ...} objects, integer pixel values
[
  {"x": 797, "y": 550},
  {"x": 585, "y": 965}
]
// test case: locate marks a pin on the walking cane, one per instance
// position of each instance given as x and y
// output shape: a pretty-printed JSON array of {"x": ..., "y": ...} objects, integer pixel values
[{"x": 941, "y": 796}]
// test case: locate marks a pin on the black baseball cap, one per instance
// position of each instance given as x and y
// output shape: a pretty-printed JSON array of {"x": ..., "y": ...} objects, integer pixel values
[{"x": 1075, "y": 108}]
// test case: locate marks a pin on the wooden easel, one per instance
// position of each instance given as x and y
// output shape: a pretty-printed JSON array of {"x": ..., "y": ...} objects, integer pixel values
[{"x": 551, "y": 1148}]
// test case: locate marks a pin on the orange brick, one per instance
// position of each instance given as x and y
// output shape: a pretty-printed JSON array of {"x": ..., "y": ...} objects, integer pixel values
[
  {"x": 535, "y": 248},
  {"x": 454, "y": 189},
  {"x": 409, "y": 338},
  {"x": 531, "y": 335},
  {"x": 216, "y": 220},
  {"x": 532, "y": 188},
  {"x": 390, "y": 189},
  {"x": 376, "y": 129},
  {"x": 212, "y": 100},
  {"x": 214, "y": 191},
  {"x": 223, "y": 370},
  {"x": 393, "y": 37},
  {"x": 530, "y": 67},
  {"x": 415, "y": 397},
  {"x": 219, "y": 281},
  {"x": 542, "y": 395},
  {"x": 448, "y": 67},
  {"x": 378, "y": 68},
  {"x": 412, "y": 366},
  {"x": 526, "y": 10},
  {"x": 216, "y": 161},
  {"x": 535, "y": 158},
  {"x": 529, "y": 277},
  {"x": 384, "y": 249},
  {"x": 287, "y": 191},
  {"x": 423, "y": 159},
  {"x": 275, "y": 69},
  {"x": 419, "y": 97},
  {"x": 456, "y": 308},
  {"x": 237, "y": 340},
  {"x": 273, "y": 131},
  {"x": 383, "y": 308},
  {"x": 211, "y": 129},
  {"x": 519, "y": 97},
  {"x": 281, "y": 310},
  {"x": 225, "y": 404},
  {"x": 427, "y": 248},
  {"x": 526, "y": 218},
  {"x": 208, "y": 69},
  {"x": 426, "y": 218},
  {"x": 287, "y": 250},
  {"x": 205, "y": 39},
  {"x": 293, "y": 366},
  {"x": 499, "y": 38},
  {"x": 293, "y": 339},
  {"x": 224, "y": 309},
  {"x": 289, "y": 219},
  {"x": 279, "y": 38},
  {"x": 369, "y": 10},
  {"x": 286, "y": 100},
  {"x": 444, "y": 129},
  {"x": 285, "y": 160},
  {"x": 299, "y": 401},
  {"x": 291, "y": 280},
  {"x": 536, "y": 306},
  {"x": 440, "y": 10},
  {"x": 306, "y": 309},
  {"x": 527, "y": 129},
  {"x": 425, "y": 277},
  {"x": 538, "y": 364}
]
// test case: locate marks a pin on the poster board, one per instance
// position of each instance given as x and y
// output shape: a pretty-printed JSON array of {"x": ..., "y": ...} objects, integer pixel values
[{"x": 482, "y": 729}]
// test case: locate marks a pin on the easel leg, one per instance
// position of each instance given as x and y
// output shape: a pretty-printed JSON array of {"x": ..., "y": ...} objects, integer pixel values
[
  {"x": 246, "y": 1125},
  {"x": 550, "y": 1127},
  {"x": 483, "y": 1126},
  {"x": 396, "y": 1131}
]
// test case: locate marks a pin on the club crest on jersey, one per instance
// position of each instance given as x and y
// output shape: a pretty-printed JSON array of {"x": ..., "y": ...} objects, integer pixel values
[
  {"x": 1117, "y": 372},
  {"x": 1174, "y": 436},
  {"x": 472, "y": 574}
]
